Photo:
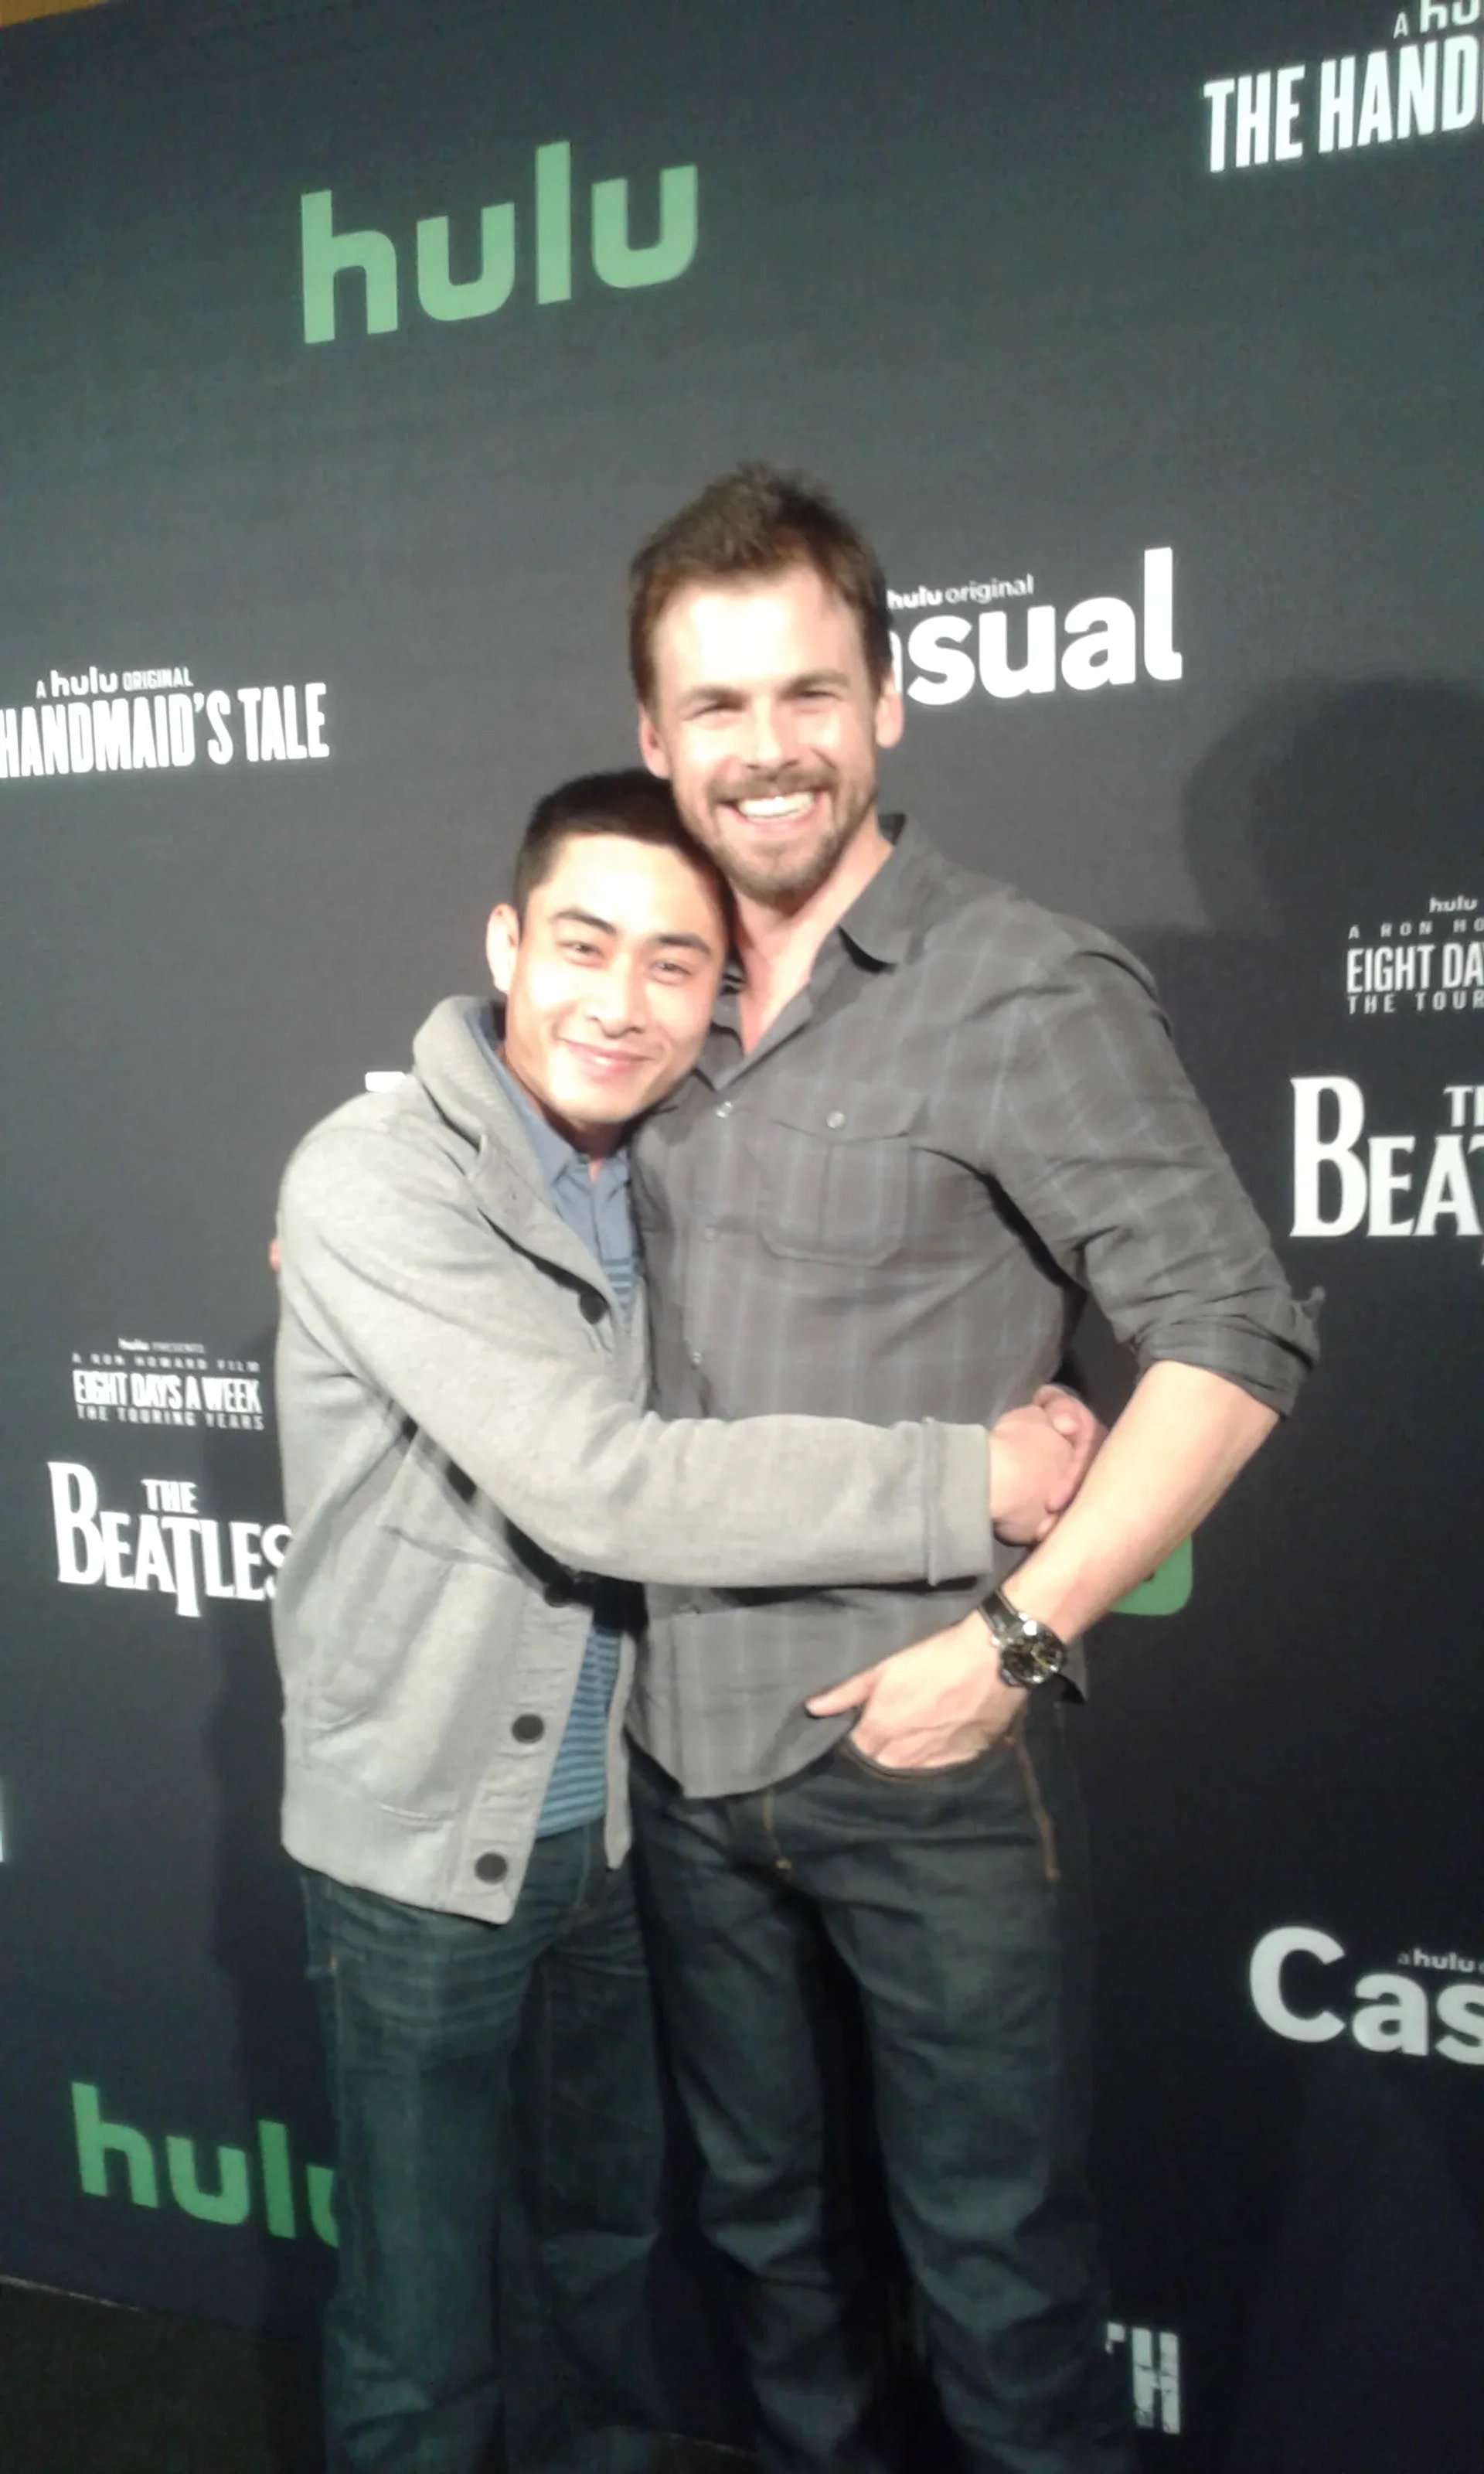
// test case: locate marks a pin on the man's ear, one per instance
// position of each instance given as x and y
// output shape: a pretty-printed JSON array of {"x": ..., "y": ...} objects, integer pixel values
[
  {"x": 652, "y": 746},
  {"x": 502, "y": 942},
  {"x": 891, "y": 713}
]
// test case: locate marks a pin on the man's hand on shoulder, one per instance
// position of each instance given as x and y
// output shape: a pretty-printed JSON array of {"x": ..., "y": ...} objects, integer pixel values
[{"x": 1038, "y": 1457}]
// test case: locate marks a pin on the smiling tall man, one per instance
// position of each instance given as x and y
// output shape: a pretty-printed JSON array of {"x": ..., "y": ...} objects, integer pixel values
[
  {"x": 928, "y": 1117},
  {"x": 475, "y": 1487}
]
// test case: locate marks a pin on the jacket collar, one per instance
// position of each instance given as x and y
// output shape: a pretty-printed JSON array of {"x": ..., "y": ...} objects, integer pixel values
[{"x": 453, "y": 1061}]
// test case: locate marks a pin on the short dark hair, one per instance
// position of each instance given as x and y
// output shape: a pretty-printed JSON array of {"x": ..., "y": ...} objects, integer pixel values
[
  {"x": 757, "y": 521},
  {"x": 633, "y": 803}
]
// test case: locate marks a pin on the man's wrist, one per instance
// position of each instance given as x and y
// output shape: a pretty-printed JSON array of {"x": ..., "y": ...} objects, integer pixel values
[
  {"x": 1028, "y": 1650},
  {"x": 1050, "y": 1587}
]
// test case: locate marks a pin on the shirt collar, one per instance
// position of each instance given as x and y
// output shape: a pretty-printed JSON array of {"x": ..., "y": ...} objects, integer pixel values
[
  {"x": 556, "y": 1156},
  {"x": 878, "y": 922}
]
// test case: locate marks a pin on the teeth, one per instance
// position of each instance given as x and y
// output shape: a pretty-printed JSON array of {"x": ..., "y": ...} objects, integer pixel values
[{"x": 769, "y": 811}]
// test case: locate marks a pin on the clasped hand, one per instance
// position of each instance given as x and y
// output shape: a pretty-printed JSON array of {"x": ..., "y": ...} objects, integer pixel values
[{"x": 1038, "y": 1457}]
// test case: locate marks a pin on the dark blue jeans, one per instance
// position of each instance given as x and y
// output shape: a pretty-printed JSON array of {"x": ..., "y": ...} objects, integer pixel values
[
  {"x": 944, "y": 1909},
  {"x": 500, "y": 2141}
]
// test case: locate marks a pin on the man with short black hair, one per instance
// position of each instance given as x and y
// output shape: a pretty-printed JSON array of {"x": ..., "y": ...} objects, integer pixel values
[
  {"x": 929, "y": 1116},
  {"x": 475, "y": 1488}
]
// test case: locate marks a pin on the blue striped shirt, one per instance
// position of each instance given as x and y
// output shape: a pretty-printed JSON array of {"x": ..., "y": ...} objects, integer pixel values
[{"x": 596, "y": 1210}]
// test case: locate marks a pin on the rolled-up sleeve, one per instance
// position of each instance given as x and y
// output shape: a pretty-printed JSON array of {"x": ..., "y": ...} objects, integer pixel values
[{"x": 1098, "y": 1140}]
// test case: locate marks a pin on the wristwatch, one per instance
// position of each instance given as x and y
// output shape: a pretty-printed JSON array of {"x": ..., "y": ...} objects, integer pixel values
[{"x": 1030, "y": 1652}]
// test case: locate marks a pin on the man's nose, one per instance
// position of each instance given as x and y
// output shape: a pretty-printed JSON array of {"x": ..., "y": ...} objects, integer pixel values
[
  {"x": 767, "y": 741},
  {"x": 617, "y": 999}
]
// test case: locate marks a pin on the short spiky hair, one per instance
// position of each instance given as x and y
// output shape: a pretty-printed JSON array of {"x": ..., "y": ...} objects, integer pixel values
[
  {"x": 632, "y": 803},
  {"x": 755, "y": 520}
]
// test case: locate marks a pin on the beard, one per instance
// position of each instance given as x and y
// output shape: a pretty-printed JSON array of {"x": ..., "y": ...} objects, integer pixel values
[{"x": 786, "y": 876}]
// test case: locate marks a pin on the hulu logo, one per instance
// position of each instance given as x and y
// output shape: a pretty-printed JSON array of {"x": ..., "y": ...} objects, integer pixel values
[
  {"x": 225, "y": 2197},
  {"x": 620, "y": 262},
  {"x": 1166, "y": 1590}
]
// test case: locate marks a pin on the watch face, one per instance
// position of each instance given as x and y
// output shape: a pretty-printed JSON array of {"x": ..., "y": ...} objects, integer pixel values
[
  {"x": 1023, "y": 1666},
  {"x": 1033, "y": 1657},
  {"x": 1029, "y": 1652}
]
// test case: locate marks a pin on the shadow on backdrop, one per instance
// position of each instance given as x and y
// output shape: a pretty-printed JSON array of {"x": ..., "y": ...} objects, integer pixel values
[
  {"x": 258, "y": 1943},
  {"x": 1328, "y": 808}
]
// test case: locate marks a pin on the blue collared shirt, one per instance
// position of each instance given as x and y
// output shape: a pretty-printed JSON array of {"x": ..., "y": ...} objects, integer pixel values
[{"x": 596, "y": 1210}]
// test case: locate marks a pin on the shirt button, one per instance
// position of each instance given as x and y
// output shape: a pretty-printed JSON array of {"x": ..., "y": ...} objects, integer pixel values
[
  {"x": 528, "y": 1727},
  {"x": 491, "y": 1867},
  {"x": 708, "y": 1234},
  {"x": 725, "y": 1109},
  {"x": 694, "y": 1355},
  {"x": 592, "y": 1308},
  {"x": 835, "y": 1119}
]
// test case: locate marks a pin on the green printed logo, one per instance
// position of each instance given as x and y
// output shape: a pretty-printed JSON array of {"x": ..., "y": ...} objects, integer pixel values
[
  {"x": 218, "y": 2196},
  {"x": 620, "y": 262},
  {"x": 1166, "y": 1590}
]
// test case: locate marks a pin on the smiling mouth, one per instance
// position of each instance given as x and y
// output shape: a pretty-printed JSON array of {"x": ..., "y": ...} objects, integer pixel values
[
  {"x": 783, "y": 808},
  {"x": 606, "y": 1061}
]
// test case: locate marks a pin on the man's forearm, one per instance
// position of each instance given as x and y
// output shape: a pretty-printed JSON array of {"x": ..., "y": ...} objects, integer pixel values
[
  {"x": 1170, "y": 1457},
  {"x": 1172, "y": 1454}
]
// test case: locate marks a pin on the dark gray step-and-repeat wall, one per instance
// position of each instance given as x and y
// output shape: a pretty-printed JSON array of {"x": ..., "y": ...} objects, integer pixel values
[{"x": 347, "y": 351}]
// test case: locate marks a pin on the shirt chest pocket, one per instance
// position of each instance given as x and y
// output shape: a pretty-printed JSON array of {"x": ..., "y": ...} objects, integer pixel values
[{"x": 836, "y": 1168}]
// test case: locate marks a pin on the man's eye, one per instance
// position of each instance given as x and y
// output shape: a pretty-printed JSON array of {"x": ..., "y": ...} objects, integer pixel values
[{"x": 579, "y": 947}]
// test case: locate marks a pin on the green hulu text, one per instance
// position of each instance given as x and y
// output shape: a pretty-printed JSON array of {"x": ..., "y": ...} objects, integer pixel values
[
  {"x": 220, "y": 2187},
  {"x": 618, "y": 261}
]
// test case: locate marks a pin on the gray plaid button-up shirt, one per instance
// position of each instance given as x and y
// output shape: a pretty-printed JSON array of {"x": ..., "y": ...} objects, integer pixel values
[{"x": 972, "y": 1113}]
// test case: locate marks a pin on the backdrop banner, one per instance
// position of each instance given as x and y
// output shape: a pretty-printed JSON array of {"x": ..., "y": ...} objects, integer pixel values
[{"x": 348, "y": 352}]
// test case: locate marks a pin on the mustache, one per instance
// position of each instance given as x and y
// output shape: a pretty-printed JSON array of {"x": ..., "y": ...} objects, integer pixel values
[{"x": 772, "y": 782}]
